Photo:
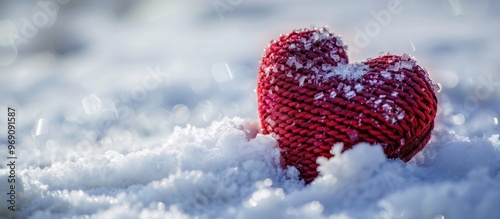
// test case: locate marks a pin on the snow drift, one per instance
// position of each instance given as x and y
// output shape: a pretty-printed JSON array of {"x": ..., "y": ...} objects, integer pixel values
[{"x": 227, "y": 170}]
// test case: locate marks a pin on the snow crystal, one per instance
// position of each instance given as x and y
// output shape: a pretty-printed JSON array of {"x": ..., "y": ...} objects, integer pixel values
[
  {"x": 353, "y": 135},
  {"x": 319, "y": 96},
  {"x": 333, "y": 94},
  {"x": 309, "y": 64},
  {"x": 399, "y": 77},
  {"x": 348, "y": 71},
  {"x": 350, "y": 95},
  {"x": 301, "y": 80},
  {"x": 393, "y": 120},
  {"x": 291, "y": 61},
  {"x": 315, "y": 70},
  {"x": 339, "y": 42},
  {"x": 386, "y": 107},
  {"x": 267, "y": 70},
  {"x": 408, "y": 64},
  {"x": 427, "y": 78},
  {"x": 315, "y": 36},
  {"x": 437, "y": 87},
  {"x": 385, "y": 74},
  {"x": 405, "y": 57},
  {"x": 394, "y": 94},
  {"x": 340, "y": 86},
  {"x": 358, "y": 87},
  {"x": 401, "y": 116},
  {"x": 333, "y": 51},
  {"x": 347, "y": 88},
  {"x": 326, "y": 67},
  {"x": 395, "y": 67},
  {"x": 335, "y": 57},
  {"x": 270, "y": 121},
  {"x": 306, "y": 42}
]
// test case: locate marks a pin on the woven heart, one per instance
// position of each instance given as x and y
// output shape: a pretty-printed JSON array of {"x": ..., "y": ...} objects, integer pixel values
[{"x": 310, "y": 98}]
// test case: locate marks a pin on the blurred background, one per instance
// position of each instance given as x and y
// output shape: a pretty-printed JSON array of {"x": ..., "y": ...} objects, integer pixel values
[{"x": 90, "y": 76}]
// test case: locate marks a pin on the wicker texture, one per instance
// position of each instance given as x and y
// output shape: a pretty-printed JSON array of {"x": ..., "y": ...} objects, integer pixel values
[{"x": 309, "y": 98}]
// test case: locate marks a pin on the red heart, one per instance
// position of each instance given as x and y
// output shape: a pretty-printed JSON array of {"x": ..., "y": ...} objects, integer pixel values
[{"x": 310, "y": 98}]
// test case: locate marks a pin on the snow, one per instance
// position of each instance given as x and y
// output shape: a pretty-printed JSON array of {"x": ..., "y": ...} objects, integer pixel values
[
  {"x": 350, "y": 94},
  {"x": 301, "y": 80},
  {"x": 394, "y": 67},
  {"x": 358, "y": 87},
  {"x": 333, "y": 94},
  {"x": 408, "y": 64},
  {"x": 319, "y": 96},
  {"x": 292, "y": 61},
  {"x": 401, "y": 115},
  {"x": 399, "y": 77},
  {"x": 105, "y": 94},
  {"x": 385, "y": 74},
  {"x": 348, "y": 71}
]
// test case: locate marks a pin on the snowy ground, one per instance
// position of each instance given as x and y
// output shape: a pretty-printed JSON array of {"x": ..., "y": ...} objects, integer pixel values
[{"x": 104, "y": 93}]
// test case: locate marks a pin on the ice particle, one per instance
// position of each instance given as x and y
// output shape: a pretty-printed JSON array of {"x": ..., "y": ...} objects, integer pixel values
[
  {"x": 333, "y": 94},
  {"x": 319, "y": 96},
  {"x": 408, "y": 64},
  {"x": 358, "y": 87},
  {"x": 401, "y": 115},
  {"x": 386, "y": 74},
  {"x": 301, "y": 80},
  {"x": 350, "y": 95}
]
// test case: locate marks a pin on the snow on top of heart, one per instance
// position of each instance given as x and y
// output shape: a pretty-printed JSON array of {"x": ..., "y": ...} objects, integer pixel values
[
  {"x": 353, "y": 71},
  {"x": 347, "y": 71}
]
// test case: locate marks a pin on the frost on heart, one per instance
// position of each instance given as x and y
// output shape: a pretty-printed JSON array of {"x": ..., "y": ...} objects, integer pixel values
[
  {"x": 347, "y": 71},
  {"x": 327, "y": 72},
  {"x": 316, "y": 60}
]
